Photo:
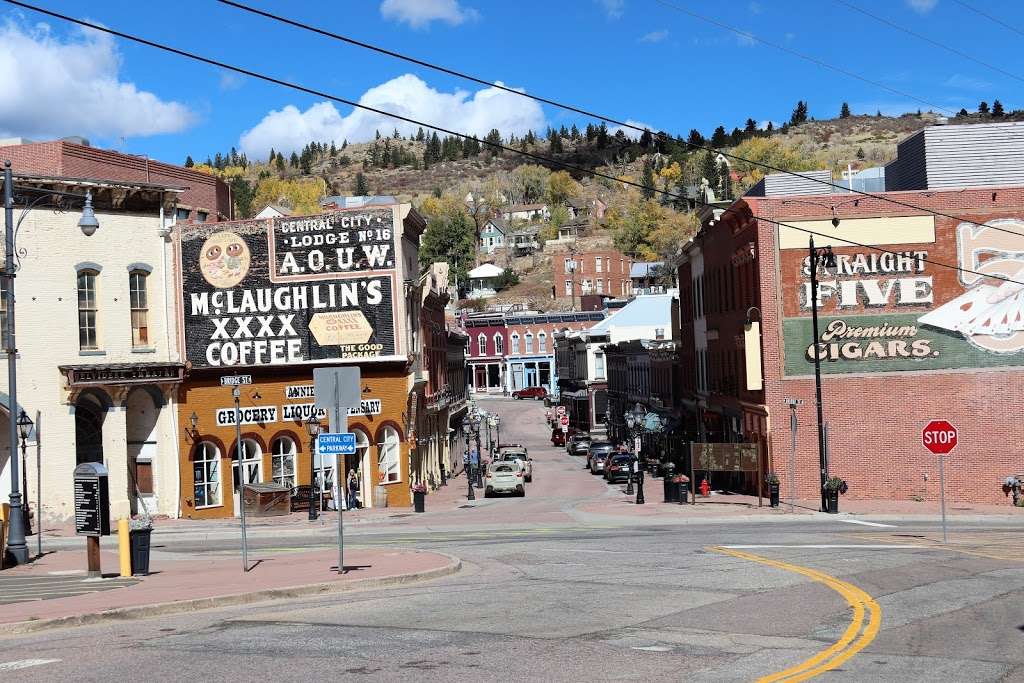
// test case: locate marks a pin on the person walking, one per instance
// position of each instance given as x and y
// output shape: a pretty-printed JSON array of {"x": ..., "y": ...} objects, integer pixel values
[{"x": 353, "y": 490}]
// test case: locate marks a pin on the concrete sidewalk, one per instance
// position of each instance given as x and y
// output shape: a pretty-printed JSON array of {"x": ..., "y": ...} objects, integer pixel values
[{"x": 187, "y": 583}]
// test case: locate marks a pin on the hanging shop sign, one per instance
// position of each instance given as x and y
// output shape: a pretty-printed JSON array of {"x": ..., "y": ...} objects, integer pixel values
[
  {"x": 289, "y": 290},
  {"x": 896, "y": 310}
]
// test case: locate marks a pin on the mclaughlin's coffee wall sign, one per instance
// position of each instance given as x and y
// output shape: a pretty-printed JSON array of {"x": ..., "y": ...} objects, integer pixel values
[
  {"x": 290, "y": 290},
  {"x": 897, "y": 310}
]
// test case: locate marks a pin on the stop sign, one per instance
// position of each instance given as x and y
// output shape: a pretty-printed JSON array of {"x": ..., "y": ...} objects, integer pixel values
[
  {"x": 564, "y": 420},
  {"x": 939, "y": 436}
]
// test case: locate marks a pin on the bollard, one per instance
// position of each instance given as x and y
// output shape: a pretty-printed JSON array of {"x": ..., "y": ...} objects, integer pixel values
[{"x": 124, "y": 547}]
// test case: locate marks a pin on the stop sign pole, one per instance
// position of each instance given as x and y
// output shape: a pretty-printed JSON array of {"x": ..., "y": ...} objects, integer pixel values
[{"x": 940, "y": 437}]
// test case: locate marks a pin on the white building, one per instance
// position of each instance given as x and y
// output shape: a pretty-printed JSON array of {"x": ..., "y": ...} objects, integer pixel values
[
  {"x": 483, "y": 281},
  {"x": 97, "y": 365}
]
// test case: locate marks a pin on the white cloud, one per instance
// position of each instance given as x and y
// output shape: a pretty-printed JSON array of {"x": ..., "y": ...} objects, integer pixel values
[
  {"x": 966, "y": 83},
  {"x": 419, "y": 13},
  {"x": 921, "y": 6},
  {"x": 473, "y": 113},
  {"x": 54, "y": 88},
  {"x": 613, "y": 9},
  {"x": 654, "y": 36},
  {"x": 630, "y": 132}
]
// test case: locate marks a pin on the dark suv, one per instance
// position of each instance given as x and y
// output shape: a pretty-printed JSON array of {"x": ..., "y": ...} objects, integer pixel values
[
  {"x": 578, "y": 444},
  {"x": 599, "y": 450},
  {"x": 618, "y": 467}
]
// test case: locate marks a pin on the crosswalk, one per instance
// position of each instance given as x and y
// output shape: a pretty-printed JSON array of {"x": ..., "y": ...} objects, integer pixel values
[
  {"x": 994, "y": 545},
  {"x": 29, "y": 588}
]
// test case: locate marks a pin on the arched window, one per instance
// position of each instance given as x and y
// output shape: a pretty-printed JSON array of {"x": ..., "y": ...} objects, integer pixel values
[
  {"x": 206, "y": 475},
  {"x": 542, "y": 343},
  {"x": 481, "y": 345},
  {"x": 282, "y": 461},
  {"x": 515, "y": 342},
  {"x": 499, "y": 345},
  {"x": 529, "y": 342},
  {"x": 140, "y": 308},
  {"x": 252, "y": 463},
  {"x": 387, "y": 456},
  {"x": 87, "y": 310}
]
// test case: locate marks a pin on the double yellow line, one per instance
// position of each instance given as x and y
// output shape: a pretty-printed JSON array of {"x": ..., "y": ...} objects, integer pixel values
[{"x": 855, "y": 638}]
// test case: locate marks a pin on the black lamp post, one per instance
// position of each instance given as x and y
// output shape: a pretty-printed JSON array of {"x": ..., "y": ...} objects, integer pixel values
[
  {"x": 479, "y": 453},
  {"x": 819, "y": 257},
  {"x": 497, "y": 433},
  {"x": 24, "y": 429},
  {"x": 635, "y": 424},
  {"x": 313, "y": 428},
  {"x": 466, "y": 426},
  {"x": 87, "y": 223}
]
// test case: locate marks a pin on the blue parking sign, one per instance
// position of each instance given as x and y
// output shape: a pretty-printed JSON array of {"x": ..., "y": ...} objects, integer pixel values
[{"x": 343, "y": 443}]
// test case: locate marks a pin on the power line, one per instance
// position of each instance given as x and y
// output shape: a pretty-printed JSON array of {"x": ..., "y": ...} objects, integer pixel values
[
  {"x": 746, "y": 35},
  {"x": 568, "y": 107},
  {"x": 536, "y": 157},
  {"x": 991, "y": 18},
  {"x": 926, "y": 39}
]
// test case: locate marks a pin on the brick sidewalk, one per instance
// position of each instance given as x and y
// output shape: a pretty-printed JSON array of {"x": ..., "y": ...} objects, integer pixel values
[{"x": 180, "y": 583}]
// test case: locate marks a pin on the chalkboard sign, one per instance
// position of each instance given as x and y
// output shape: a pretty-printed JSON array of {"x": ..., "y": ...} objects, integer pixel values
[{"x": 92, "y": 502}]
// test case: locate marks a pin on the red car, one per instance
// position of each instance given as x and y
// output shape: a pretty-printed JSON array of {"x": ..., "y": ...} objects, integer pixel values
[
  {"x": 538, "y": 393},
  {"x": 557, "y": 437}
]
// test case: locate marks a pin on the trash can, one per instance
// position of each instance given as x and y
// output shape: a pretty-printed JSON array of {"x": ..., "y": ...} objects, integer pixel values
[
  {"x": 138, "y": 542},
  {"x": 832, "y": 499},
  {"x": 671, "y": 490},
  {"x": 773, "y": 495},
  {"x": 684, "y": 493},
  {"x": 380, "y": 496},
  {"x": 419, "y": 501}
]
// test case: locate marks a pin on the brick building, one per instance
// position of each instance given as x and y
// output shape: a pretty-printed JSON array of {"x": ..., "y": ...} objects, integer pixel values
[
  {"x": 203, "y": 197},
  {"x": 486, "y": 357},
  {"x": 915, "y": 325},
  {"x": 577, "y": 274}
]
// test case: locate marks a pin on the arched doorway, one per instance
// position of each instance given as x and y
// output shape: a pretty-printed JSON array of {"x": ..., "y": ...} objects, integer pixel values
[{"x": 90, "y": 414}]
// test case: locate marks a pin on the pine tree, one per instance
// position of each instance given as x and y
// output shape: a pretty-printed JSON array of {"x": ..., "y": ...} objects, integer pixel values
[
  {"x": 218, "y": 161},
  {"x": 997, "y": 109},
  {"x": 751, "y": 127},
  {"x": 293, "y": 161},
  {"x": 709, "y": 169},
  {"x": 279, "y": 162},
  {"x": 420, "y": 135},
  {"x": 574, "y": 133},
  {"x": 769, "y": 127},
  {"x": 962, "y": 112},
  {"x": 860, "y": 153},
  {"x": 362, "y": 189},
  {"x": 983, "y": 108},
  {"x": 209, "y": 162},
  {"x": 234, "y": 157},
  {"x": 344, "y": 143},
  {"x": 554, "y": 142},
  {"x": 273, "y": 156},
  {"x": 590, "y": 133},
  {"x": 719, "y": 138},
  {"x": 645, "y": 139},
  {"x": 647, "y": 180},
  {"x": 724, "y": 180},
  {"x": 799, "y": 114},
  {"x": 695, "y": 138},
  {"x": 334, "y": 150},
  {"x": 376, "y": 135},
  {"x": 602, "y": 135},
  {"x": 844, "y": 113},
  {"x": 188, "y": 162}
]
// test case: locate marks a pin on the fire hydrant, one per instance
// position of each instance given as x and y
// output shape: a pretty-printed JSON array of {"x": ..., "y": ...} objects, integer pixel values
[{"x": 705, "y": 489}]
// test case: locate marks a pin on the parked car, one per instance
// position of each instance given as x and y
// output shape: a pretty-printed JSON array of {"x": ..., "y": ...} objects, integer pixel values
[
  {"x": 598, "y": 455},
  {"x": 536, "y": 393},
  {"x": 557, "y": 437},
  {"x": 578, "y": 444},
  {"x": 618, "y": 467},
  {"x": 598, "y": 446},
  {"x": 521, "y": 456},
  {"x": 504, "y": 477}
]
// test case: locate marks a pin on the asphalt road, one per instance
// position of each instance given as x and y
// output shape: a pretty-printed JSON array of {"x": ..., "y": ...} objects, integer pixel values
[{"x": 552, "y": 601}]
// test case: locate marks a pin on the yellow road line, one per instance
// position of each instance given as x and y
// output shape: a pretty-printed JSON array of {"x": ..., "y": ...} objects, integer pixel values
[{"x": 854, "y": 639}]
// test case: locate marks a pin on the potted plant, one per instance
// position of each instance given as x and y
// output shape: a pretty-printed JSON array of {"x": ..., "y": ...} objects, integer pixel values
[
  {"x": 833, "y": 487},
  {"x": 682, "y": 481},
  {"x": 419, "y": 493},
  {"x": 139, "y": 529},
  {"x": 772, "y": 480}
]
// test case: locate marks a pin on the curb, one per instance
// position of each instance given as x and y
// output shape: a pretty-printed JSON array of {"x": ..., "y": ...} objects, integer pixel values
[{"x": 179, "y": 607}]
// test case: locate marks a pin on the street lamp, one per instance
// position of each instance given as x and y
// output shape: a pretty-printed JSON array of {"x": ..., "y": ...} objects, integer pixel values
[
  {"x": 497, "y": 432},
  {"x": 823, "y": 257},
  {"x": 313, "y": 428},
  {"x": 466, "y": 426},
  {"x": 24, "y": 429},
  {"x": 634, "y": 422},
  {"x": 16, "y": 525},
  {"x": 479, "y": 453}
]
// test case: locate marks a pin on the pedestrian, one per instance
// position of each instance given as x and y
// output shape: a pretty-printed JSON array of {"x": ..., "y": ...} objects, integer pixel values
[{"x": 353, "y": 490}]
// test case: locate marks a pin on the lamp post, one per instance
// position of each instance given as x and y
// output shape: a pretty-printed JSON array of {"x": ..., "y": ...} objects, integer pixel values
[
  {"x": 497, "y": 433},
  {"x": 466, "y": 425},
  {"x": 479, "y": 453},
  {"x": 572, "y": 285},
  {"x": 313, "y": 428},
  {"x": 634, "y": 422},
  {"x": 826, "y": 258},
  {"x": 88, "y": 224},
  {"x": 24, "y": 429}
]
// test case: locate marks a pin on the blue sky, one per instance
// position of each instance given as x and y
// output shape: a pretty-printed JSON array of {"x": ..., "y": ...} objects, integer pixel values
[{"x": 639, "y": 60}]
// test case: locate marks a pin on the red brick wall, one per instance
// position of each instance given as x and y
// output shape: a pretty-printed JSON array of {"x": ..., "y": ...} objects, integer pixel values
[
  {"x": 876, "y": 419},
  {"x": 586, "y": 269},
  {"x": 57, "y": 158}
]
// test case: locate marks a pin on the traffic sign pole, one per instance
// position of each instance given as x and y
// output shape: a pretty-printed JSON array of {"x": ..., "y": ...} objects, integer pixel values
[
  {"x": 941, "y": 437},
  {"x": 942, "y": 495}
]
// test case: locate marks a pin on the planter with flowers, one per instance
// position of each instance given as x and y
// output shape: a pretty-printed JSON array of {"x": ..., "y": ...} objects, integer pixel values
[
  {"x": 682, "y": 482},
  {"x": 772, "y": 480},
  {"x": 419, "y": 497},
  {"x": 140, "y": 527},
  {"x": 834, "y": 486}
]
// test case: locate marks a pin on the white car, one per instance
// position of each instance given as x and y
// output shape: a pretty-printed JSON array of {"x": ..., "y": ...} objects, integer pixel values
[
  {"x": 521, "y": 456},
  {"x": 504, "y": 477}
]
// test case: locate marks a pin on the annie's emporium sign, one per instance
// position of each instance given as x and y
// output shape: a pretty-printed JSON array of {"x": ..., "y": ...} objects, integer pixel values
[{"x": 289, "y": 290}]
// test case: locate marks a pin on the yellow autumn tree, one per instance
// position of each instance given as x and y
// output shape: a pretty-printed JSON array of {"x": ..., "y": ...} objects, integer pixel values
[{"x": 301, "y": 195}]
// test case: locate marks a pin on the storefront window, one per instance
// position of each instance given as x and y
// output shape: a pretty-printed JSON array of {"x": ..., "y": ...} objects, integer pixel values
[
  {"x": 387, "y": 456},
  {"x": 282, "y": 461},
  {"x": 206, "y": 475}
]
